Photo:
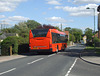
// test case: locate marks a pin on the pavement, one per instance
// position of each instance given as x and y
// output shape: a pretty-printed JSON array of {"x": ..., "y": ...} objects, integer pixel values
[
  {"x": 91, "y": 59},
  {"x": 8, "y": 58}
]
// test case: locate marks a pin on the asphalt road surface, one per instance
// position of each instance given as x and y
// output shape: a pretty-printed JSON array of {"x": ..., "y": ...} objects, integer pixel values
[{"x": 65, "y": 63}]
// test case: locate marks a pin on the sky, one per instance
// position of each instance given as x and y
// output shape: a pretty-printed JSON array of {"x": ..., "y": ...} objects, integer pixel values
[{"x": 69, "y": 13}]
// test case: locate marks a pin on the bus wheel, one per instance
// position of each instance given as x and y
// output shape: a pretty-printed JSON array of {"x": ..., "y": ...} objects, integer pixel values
[
  {"x": 64, "y": 47},
  {"x": 57, "y": 50}
]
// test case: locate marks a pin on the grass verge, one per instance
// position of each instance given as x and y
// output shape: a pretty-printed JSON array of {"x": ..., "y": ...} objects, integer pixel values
[{"x": 97, "y": 49}]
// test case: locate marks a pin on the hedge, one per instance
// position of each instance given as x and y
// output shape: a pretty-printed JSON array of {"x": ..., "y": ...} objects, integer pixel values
[
  {"x": 19, "y": 45},
  {"x": 5, "y": 45}
]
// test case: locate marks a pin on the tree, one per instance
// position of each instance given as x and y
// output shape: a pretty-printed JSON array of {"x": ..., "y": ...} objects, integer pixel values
[
  {"x": 67, "y": 29},
  {"x": 77, "y": 33},
  {"x": 22, "y": 29},
  {"x": 31, "y": 24},
  {"x": 71, "y": 37},
  {"x": 88, "y": 33},
  {"x": 57, "y": 28}
]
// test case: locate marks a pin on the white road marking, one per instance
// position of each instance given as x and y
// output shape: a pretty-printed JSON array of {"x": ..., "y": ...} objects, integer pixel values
[
  {"x": 35, "y": 61},
  {"x": 51, "y": 55},
  {"x": 71, "y": 67},
  {"x": 7, "y": 71}
]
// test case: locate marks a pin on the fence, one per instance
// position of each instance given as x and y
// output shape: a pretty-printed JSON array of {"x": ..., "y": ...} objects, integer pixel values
[{"x": 97, "y": 44}]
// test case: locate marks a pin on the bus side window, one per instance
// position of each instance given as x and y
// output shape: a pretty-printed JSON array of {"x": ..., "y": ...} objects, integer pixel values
[{"x": 54, "y": 38}]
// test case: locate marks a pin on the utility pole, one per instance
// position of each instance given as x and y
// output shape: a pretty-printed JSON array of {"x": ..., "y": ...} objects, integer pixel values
[
  {"x": 94, "y": 22},
  {"x": 61, "y": 26}
]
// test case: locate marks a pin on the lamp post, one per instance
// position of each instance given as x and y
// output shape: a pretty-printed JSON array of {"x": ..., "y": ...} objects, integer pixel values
[{"x": 94, "y": 22}]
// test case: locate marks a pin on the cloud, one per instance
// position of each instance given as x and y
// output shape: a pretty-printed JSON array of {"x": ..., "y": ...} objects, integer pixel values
[
  {"x": 56, "y": 19},
  {"x": 81, "y": 14},
  {"x": 17, "y": 18},
  {"x": 78, "y": 11},
  {"x": 44, "y": 13},
  {"x": 9, "y": 5},
  {"x": 2, "y": 16},
  {"x": 83, "y": 28},
  {"x": 59, "y": 24},
  {"x": 50, "y": 8},
  {"x": 53, "y": 2},
  {"x": 86, "y": 1}
]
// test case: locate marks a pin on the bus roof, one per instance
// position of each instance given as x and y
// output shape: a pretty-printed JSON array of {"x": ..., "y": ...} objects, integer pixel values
[
  {"x": 53, "y": 30},
  {"x": 56, "y": 31}
]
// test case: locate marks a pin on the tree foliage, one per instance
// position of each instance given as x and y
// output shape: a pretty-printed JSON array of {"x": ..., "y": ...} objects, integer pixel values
[
  {"x": 88, "y": 33},
  {"x": 71, "y": 37},
  {"x": 22, "y": 29},
  {"x": 68, "y": 29},
  {"x": 57, "y": 28},
  {"x": 31, "y": 24},
  {"x": 9, "y": 41},
  {"x": 76, "y": 32}
]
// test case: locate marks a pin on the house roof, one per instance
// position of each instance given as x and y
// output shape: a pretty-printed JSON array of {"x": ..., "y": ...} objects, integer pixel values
[
  {"x": 96, "y": 35},
  {"x": 9, "y": 34},
  {"x": 5, "y": 35},
  {"x": 2, "y": 36},
  {"x": 67, "y": 32}
]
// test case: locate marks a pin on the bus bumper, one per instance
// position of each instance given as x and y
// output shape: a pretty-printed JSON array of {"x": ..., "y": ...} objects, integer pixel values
[{"x": 41, "y": 50}]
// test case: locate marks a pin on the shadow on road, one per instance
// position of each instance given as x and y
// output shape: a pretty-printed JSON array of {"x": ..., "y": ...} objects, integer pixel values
[
  {"x": 80, "y": 52},
  {"x": 35, "y": 54},
  {"x": 72, "y": 52}
]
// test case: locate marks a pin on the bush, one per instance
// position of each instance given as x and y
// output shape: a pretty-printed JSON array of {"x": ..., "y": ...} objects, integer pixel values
[
  {"x": 22, "y": 40},
  {"x": 5, "y": 45},
  {"x": 96, "y": 40},
  {"x": 20, "y": 45}
]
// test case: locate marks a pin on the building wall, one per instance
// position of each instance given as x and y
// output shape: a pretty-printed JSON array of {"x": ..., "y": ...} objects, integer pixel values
[
  {"x": 84, "y": 39},
  {"x": 99, "y": 34},
  {"x": 99, "y": 25}
]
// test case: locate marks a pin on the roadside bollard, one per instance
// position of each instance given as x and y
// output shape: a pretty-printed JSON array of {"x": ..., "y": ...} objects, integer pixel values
[{"x": 10, "y": 50}]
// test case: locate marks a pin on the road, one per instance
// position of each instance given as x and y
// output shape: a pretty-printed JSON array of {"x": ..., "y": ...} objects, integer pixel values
[{"x": 65, "y": 63}]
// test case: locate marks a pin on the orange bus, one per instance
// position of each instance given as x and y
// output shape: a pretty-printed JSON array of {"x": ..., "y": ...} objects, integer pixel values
[{"x": 47, "y": 40}]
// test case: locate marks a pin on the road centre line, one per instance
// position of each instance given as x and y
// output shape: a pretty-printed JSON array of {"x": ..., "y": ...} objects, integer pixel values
[
  {"x": 35, "y": 61},
  {"x": 7, "y": 71},
  {"x": 71, "y": 67},
  {"x": 51, "y": 55}
]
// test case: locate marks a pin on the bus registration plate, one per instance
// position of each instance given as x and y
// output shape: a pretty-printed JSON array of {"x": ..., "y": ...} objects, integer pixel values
[{"x": 35, "y": 47}]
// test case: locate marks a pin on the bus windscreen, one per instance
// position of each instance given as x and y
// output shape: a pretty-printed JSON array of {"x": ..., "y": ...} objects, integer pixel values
[{"x": 40, "y": 32}]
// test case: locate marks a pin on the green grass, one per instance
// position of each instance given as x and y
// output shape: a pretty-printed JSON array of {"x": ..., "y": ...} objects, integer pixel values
[
  {"x": 92, "y": 48},
  {"x": 68, "y": 43},
  {"x": 97, "y": 49}
]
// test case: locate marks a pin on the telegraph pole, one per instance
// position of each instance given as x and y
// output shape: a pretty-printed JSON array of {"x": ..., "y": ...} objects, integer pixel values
[{"x": 61, "y": 26}]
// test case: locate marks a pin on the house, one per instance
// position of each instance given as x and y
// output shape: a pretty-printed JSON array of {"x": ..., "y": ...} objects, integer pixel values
[
  {"x": 11, "y": 34},
  {"x": 67, "y": 34},
  {"x": 5, "y": 35},
  {"x": 83, "y": 41},
  {"x": 96, "y": 35}
]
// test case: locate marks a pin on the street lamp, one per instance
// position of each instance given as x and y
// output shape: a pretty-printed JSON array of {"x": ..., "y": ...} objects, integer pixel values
[{"x": 94, "y": 22}]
